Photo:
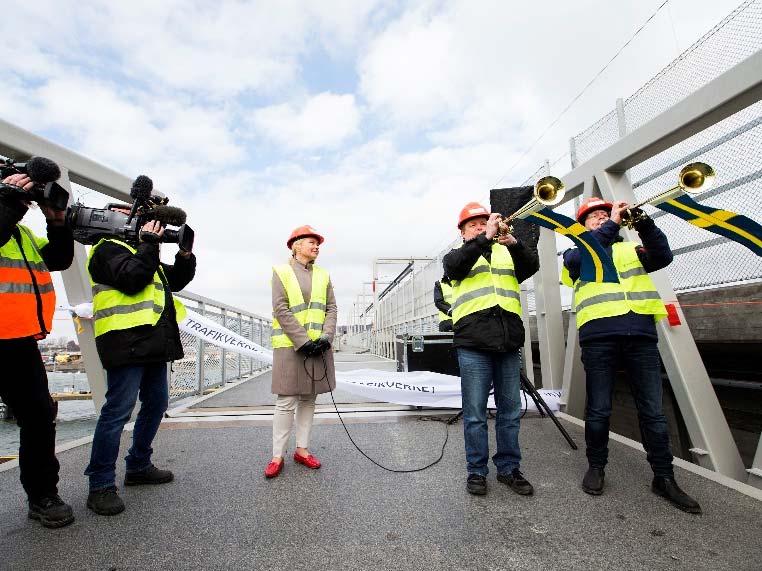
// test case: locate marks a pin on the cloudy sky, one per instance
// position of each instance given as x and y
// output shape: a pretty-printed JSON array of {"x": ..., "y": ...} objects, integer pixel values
[{"x": 374, "y": 121}]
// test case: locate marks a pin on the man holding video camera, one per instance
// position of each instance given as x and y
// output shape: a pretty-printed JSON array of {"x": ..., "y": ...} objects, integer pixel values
[
  {"x": 28, "y": 302},
  {"x": 136, "y": 333}
]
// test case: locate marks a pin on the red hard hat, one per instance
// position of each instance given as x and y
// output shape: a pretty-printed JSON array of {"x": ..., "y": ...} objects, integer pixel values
[
  {"x": 472, "y": 210},
  {"x": 303, "y": 232},
  {"x": 590, "y": 204}
]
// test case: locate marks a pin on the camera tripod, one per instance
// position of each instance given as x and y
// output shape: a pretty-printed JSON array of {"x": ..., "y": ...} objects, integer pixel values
[{"x": 542, "y": 408}]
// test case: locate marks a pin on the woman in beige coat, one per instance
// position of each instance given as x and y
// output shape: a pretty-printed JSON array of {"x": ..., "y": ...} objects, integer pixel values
[{"x": 302, "y": 357}]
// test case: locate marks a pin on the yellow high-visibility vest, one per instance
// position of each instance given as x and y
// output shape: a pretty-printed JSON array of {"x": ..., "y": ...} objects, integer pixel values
[
  {"x": 114, "y": 310},
  {"x": 634, "y": 292},
  {"x": 487, "y": 284},
  {"x": 310, "y": 315}
]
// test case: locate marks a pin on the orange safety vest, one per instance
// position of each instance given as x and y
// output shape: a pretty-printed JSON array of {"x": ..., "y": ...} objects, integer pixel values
[{"x": 27, "y": 297}]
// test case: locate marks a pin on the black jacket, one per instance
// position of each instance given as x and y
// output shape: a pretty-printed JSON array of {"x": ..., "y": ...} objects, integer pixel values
[
  {"x": 439, "y": 300},
  {"x": 654, "y": 254},
  {"x": 57, "y": 254},
  {"x": 492, "y": 329},
  {"x": 115, "y": 266}
]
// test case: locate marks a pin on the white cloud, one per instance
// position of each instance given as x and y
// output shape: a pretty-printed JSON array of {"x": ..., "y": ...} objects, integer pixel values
[{"x": 325, "y": 120}]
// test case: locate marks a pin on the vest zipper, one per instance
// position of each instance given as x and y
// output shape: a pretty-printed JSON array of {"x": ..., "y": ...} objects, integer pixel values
[{"x": 37, "y": 294}]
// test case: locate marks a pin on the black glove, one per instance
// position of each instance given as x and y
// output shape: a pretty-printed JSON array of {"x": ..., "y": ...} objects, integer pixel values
[
  {"x": 309, "y": 349},
  {"x": 323, "y": 344},
  {"x": 642, "y": 220}
]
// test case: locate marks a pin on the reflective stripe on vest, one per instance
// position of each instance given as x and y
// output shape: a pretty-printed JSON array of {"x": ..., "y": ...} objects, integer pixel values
[
  {"x": 310, "y": 315},
  {"x": 447, "y": 296},
  {"x": 114, "y": 310},
  {"x": 635, "y": 291},
  {"x": 487, "y": 284},
  {"x": 23, "y": 314}
]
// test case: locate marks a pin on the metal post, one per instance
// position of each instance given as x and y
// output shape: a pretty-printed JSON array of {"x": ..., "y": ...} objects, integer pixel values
[
  {"x": 526, "y": 354},
  {"x": 76, "y": 281},
  {"x": 755, "y": 472},
  {"x": 223, "y": 354},
  {"x": 620, "y": 117},
  {"x": 573, "y": 390},
  {"x": 200, "y": 357},
  {"x": 548, "y": 309},
  {"x": 251, "y": 338},
  {"x": 240, "y": 357},
  {"x": 713, "y": 444}
]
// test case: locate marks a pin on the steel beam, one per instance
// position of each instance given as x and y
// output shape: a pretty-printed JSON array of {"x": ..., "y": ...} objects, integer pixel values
[
  {"x": 76, "y": 281},
  {"x": 725, "y": 95}
]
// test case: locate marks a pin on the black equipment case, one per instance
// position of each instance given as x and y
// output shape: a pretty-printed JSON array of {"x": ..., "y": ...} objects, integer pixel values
[{"x": 427, "y": 352}]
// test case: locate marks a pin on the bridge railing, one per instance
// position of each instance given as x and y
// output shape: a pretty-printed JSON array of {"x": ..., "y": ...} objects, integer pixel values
[{"x": 206, "y": 366}]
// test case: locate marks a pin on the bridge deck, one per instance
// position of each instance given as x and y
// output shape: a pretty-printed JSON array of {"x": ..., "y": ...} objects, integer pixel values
[{"x": 220, "y": 512}]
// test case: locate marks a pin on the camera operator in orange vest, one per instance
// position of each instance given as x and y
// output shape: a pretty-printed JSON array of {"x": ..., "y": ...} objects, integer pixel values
[{"x": 28, "y": 302}]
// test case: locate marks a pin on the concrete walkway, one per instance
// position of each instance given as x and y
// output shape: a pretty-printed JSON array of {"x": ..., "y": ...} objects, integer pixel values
[{"x": 220, "y": 512}]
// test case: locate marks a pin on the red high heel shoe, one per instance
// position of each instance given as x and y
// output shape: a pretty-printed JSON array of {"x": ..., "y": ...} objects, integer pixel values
[
  {"x": 310, "y": 461},
  {"x": 274, "y": 468}
]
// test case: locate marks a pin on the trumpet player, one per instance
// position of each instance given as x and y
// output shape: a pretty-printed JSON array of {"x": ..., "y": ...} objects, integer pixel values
[
  {"x": 485, "y": 273},
  {"x": 617, "y": 330}
]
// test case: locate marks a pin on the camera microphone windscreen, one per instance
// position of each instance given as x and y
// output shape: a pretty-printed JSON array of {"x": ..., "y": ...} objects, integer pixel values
[
  {"x": 168, "y": 215},
  {"x": 42, "y": 170},
  {"x": 141, "y": 188}
]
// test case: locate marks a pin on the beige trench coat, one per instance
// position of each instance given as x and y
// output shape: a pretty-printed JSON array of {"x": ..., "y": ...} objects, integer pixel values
[{"x": 289, "y": 376}]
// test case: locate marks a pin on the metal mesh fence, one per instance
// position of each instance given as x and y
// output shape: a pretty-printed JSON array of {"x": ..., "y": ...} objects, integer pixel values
[
  {"x": 206, "y": 366},
  {"x": 733, "y": 147}
]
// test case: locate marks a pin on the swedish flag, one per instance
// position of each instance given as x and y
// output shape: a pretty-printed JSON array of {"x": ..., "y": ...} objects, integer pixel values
[
  {"x": 729, "y": 224},
  {"x": 597, "y": 265}
]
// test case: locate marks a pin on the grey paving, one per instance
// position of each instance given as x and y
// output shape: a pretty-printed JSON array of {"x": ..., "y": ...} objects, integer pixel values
[{"x": 220, "y": 513}]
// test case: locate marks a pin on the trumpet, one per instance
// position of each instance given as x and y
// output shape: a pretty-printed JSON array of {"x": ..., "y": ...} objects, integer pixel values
[
  {"x": 548, "y": 191},
  {"x": 693, "y": 178}
]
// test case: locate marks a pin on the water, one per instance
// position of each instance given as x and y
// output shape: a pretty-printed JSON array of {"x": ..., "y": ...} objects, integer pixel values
[{"x": 76, "y": 419}]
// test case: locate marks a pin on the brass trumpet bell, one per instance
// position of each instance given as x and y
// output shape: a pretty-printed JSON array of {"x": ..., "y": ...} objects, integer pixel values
[
  {"x": 693, "y": 179},
  {"x": 548, "y": 191},
  {"x": 696, "y": 176}
]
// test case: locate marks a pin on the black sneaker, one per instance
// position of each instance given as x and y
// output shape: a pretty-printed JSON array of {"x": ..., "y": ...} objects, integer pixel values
[
  {"x": 51, "y": 511},
  {"x": 151, "y": 475},
  {"x": 592, "y": 483},
  {"x": 476, "y": 484},
  {"x": 105, "y": 501},
  {"x": 516, "y": 481},
  {"x": 668, "y": 488}
]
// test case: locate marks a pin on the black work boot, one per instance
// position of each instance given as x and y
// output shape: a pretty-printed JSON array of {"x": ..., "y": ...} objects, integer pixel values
[
  {"x": 476, "y": 484},
  {"x": 51, "y": 511},
  {"x": 667, "y": 488},
  {"x": 105, "y": 501},
  {"x": 592, "y": 483},
  {"x": 516, "y": 482},
  {"x": 151, "y": 475}
]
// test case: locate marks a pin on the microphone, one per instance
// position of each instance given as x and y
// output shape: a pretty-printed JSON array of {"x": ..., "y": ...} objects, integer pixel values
[
  {"x": 42, "y": 170},
  {"x": 140, "y": 192},
  {"x": 168, "y": 215}
]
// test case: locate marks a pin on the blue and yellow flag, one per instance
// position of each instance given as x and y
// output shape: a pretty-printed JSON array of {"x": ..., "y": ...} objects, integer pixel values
[
  {"x": 729, "y": 224},
  {"x": 597, "y": 265}
]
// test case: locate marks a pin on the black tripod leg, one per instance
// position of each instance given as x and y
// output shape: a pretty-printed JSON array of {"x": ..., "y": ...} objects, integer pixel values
[{"x": 529, "y": 387}]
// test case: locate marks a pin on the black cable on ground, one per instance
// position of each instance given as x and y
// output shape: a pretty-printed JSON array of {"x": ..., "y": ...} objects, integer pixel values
[{"x": 325, "y": 378}]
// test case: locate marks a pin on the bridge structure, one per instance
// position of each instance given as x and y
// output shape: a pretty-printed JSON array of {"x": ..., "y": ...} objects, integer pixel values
[{"x": 221, "y": 512}]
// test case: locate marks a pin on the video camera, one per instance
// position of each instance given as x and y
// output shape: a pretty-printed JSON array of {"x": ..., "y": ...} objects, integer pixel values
[
  {"x": 43, "y": 173},
  {"x": 89, "y": 225}
]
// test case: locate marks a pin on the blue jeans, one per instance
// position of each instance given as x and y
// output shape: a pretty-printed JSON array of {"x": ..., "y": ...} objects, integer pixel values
[
  {"x": 639, "y": 357},
  {"x": 479, "y": 372},
  {"x": 124, "y": 384}
]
